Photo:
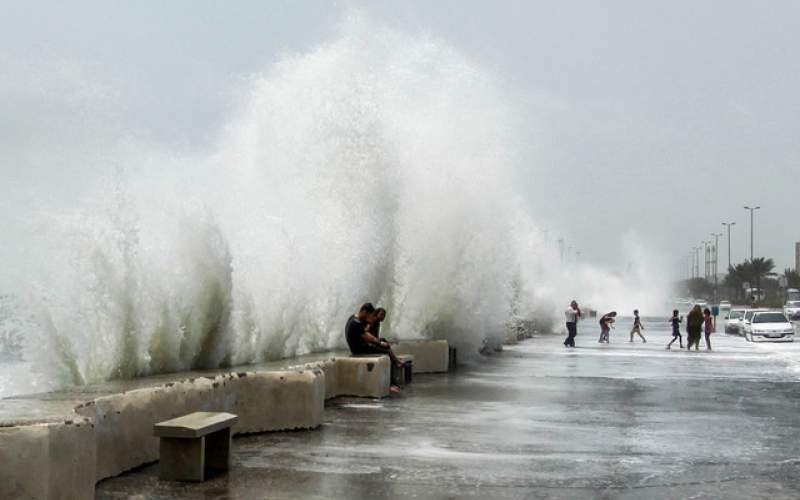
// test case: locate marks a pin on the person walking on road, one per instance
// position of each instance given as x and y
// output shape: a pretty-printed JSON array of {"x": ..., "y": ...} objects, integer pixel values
[
  {"x": 694, "y": 328},
  {"x": 606, "y": 323},
  {"x": 637, "y": 326},
  {"x": 708, "y": 327},
  {"x": 573, "y": 314},
  {"x": 675, "y": 321}
]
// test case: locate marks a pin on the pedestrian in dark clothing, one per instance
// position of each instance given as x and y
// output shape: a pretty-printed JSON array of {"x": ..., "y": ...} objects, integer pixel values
[
  {"x": 359, "y": 338},
  {"x": 694, "y": 328},
  {"x": 675, "y": 321}
]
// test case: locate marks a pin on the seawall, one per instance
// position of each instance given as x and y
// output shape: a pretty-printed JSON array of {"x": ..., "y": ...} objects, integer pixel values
[{"x": 58, "y": 445}]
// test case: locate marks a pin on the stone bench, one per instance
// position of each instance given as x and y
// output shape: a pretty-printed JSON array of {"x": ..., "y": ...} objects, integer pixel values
[
  {"x": 398, "y": 376},
  {"x": 194, "y": 444},
  {"x": 430, "y": 356}
]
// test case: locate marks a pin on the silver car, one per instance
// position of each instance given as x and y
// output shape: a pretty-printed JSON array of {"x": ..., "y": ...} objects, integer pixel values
[
  {"x": 744, "y": 324},
  {"x": 733, "y": 322},
  {"x": 792, "y": 310}
]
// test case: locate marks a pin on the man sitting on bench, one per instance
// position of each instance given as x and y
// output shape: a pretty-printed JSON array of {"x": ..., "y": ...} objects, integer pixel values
[{"x": 361, "y": 341}]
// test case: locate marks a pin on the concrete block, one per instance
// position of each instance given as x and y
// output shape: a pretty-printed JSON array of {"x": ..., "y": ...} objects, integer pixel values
[
  {"x": 264, "y": 401},
  {"x": 277, "y": 401},
  {"x": 124, "y": 422},
  {"x": 47, "y": 461},
  {"x": 430, "y": 356},
  {"x": 364, "y": 376},
  {"x": 72, "y": 451},
  {"x": 182, "y": 459},
  {"x": 24, "y": 455}
]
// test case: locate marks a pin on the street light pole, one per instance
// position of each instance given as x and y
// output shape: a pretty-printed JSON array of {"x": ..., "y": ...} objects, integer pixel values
[
  {"x": 728, "y": 227},
  {"x": 753, "y": 209},
  {"x": 716, "y": 264}
]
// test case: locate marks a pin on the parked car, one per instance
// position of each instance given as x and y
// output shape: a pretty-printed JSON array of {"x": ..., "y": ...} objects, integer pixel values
[
  {"x": 745, "y": 322},
  {"x": 733, "y": 321},
  {"x": 792, "y": 309},
  {"x": 770, "y": 326}
]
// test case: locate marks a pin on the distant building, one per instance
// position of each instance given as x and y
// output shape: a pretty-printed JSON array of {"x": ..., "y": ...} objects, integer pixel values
[{"x": 797, "y": 256}]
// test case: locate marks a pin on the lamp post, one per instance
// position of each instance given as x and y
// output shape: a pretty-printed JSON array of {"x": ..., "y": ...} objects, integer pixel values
[
  {"x": 752, "y": 209},
  {"x": 728, "y": 227},
  {"x": 706, "y": 245},
  {"x": 716, "y": 263}
]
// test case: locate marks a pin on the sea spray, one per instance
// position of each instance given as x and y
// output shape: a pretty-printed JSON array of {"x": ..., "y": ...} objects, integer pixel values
[{"x": 377, "y": 167}]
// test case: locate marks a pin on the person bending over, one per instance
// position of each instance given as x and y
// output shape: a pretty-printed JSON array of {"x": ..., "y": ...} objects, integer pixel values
[
  {"x": 374, "y": 327},
  {"x": 606, "y": 324},
  {"x": 359, "y": 338}
]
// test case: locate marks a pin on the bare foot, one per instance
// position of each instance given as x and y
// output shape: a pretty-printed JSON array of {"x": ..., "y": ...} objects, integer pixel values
[{"x": 394, "y": 389}]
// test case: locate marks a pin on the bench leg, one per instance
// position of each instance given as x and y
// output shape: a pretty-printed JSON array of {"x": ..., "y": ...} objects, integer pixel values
[
  {"x": 181, "y": 459},
  {"x": 218, "y": 450}
]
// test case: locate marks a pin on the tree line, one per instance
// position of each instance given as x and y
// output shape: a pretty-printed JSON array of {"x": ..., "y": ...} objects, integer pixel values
[{"x": 758, "y": 273}]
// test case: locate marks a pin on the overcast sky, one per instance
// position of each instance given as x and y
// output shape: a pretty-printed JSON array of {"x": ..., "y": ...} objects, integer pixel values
[{"x": 660, "y": 118}]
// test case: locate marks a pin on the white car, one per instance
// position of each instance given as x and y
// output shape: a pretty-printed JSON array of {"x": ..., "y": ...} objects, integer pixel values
[
  {"x": 770, "y": 326},
  {"x": 792, "y": 309},
  {"x": 744, "y": 323},
  {"x": 733, "y": 321}
]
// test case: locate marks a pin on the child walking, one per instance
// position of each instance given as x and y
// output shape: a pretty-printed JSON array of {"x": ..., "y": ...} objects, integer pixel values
[
  {"x": 637, "y": 326},
  {"x": 675, "y": 320},
  {"x": 708, "y": 327}
]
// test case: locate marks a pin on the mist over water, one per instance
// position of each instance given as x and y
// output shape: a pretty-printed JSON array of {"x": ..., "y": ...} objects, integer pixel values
[{"x": 378, "y": 167}]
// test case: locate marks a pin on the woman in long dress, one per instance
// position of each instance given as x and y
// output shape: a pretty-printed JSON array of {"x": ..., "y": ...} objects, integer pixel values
[{"x": 694, "y": 328}]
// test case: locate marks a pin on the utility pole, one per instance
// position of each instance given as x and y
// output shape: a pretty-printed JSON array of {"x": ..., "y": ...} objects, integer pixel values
[
  {"x": 716, "y": 264},
  {"x": 696, "y": 251},
  {"x": 728, "y": 227},
  {"x": 753, "y": 209}
]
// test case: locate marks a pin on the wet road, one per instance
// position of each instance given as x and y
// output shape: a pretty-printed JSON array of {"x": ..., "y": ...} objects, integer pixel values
[{"x": 539, "y": 421}]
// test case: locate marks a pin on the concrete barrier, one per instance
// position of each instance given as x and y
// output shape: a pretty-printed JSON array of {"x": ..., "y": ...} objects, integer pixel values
[
  {"x": 363, "y": 377},
  {"x": 47, "y": 460},
  {"x": 430, "y": 356},
  {"x": 264, "y": 401},
  {"x": 113, "y": 433}
]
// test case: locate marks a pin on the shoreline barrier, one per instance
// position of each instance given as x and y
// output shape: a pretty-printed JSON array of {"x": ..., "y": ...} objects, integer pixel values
[{"x": 107, "y": 434}]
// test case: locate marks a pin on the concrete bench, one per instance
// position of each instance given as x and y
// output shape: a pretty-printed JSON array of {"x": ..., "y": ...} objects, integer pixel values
[
  {"x": 194, "y": 444},
  {"x": 398, "y": 376},
  {"x": 430, "y": 356}
]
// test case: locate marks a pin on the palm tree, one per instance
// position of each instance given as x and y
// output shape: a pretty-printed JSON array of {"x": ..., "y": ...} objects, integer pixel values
[
  {"x": 737, "y": 276},
  {"x": 761, "y": 268},
  {"x": 792, "y": 278}
]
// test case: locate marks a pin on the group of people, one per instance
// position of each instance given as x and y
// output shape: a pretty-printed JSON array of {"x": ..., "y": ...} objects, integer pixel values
[
  {"x": 697, "y": 321},
  {"x": 363, "y": 335}
]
